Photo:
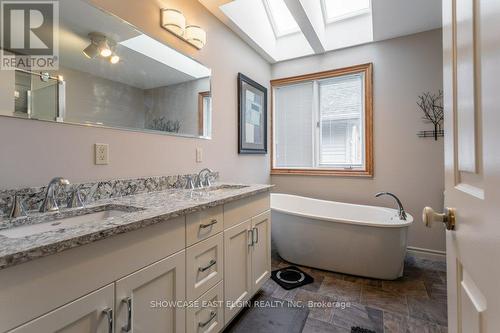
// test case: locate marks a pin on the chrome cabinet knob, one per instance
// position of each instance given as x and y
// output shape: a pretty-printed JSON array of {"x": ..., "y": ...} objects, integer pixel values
[{"x": 429, "y": 216}]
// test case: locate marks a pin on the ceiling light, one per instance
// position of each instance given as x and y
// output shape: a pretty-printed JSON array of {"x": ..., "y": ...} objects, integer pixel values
[
  {"x": 173, "y": 20},
  {"x": 114, "y": 59},
  {"x": 91, "y": 51},
  {"x": 104, "y": 49},
  {"x": 196, "y": 36}
]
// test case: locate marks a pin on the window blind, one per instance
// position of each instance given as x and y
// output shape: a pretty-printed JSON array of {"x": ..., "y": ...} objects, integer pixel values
[
  {"x": 341, "y": 118},
  {"x": 294, "y": 125}
]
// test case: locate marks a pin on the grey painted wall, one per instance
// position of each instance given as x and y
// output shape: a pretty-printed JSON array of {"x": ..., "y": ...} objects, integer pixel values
[
  {"x": 43, "y": 150},
  {"x": 409, "y": 166}
]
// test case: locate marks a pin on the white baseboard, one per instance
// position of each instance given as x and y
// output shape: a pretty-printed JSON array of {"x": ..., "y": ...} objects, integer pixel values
[{"x": 427, "y": 253}]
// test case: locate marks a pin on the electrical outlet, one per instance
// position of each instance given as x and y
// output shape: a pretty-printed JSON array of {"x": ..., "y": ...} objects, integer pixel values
[
  {"x": 199, "y": 155},
  {"x": 101, "y": 153}
]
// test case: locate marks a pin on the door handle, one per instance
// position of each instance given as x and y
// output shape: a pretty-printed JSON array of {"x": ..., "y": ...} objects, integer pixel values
[
  {"x": 108, "y": 312},
  {"x": 128, "y": 302},
  {"x": 250, "y": 237},
  {"x": 213, "y": 314},
  {"x": 210, "y": 264},
  {"x": 256, "y": 234},
  {"x": 212, "y": 222},
  {"x": 448, "y": 217}
]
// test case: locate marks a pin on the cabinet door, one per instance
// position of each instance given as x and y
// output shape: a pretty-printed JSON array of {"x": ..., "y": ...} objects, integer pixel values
[
  {"x": 261, "y": 250},
  {"x": 237, "y": 268},
  {"x": 91, "y": 313},
  {"x": 150, "y": 300}
]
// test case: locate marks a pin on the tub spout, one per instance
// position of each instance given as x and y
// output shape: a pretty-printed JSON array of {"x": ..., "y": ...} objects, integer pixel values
[{"x": 402, "y": 212}]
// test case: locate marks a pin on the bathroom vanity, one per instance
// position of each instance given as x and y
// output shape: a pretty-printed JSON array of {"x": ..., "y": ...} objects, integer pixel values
[{"x": 164, "y": 261}]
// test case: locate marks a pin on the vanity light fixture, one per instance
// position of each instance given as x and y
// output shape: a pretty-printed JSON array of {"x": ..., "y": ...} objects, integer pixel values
[
  {"x": 114, "y": 59},
  {"x": 196, "y": 36},
  {"x": 174, "y": 21}
]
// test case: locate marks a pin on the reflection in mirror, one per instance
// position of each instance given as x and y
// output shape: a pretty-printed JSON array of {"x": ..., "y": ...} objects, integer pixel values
[{"x": 110, "y": 74}]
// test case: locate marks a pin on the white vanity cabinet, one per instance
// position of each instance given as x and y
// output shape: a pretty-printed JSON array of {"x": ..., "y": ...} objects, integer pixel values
[
  {"x": 261, "y": 249},
  {"x": 91, "y": 313},
  {"x": 238, "y": 269},
  {"x": 146, "y": 280},
  {"x": 145, "y": 300},
  {"x": 247, "y": 251}
]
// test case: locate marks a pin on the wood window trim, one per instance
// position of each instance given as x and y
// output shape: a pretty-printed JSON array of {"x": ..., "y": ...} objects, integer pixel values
[
  {"x": 201, "y": 124},
  {"x": 368, "y": 170}
]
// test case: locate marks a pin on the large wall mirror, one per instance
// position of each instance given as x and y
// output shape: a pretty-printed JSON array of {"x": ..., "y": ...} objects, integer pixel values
[{"x": 112, "y": 75}]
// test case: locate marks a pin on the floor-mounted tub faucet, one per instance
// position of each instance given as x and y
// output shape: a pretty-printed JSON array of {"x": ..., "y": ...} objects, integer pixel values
[{"x": 402, "y": 212}]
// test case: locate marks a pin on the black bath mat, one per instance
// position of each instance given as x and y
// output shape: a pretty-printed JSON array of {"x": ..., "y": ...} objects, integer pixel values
[
  {"x": 358, "y": 329},
  {"x": 291, "y": 277}
]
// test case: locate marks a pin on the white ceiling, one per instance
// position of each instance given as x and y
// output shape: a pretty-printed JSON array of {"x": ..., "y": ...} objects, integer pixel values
[
  {"x": 387, "y": 19},
  {"x": 138, "y": 67}
]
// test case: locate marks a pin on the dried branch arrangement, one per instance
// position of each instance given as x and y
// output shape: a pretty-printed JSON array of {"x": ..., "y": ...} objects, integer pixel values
[
  {"x": 165, "y": 125},
  {"x": 432, "y": 106}
]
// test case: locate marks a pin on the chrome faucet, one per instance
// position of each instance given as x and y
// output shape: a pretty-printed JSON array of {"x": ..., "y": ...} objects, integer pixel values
[
  {"x": 17, "y": 209},
  {"x": 402, "y": 212},
  {"x": 203, "y": 182},
  {"x": 50, "y": 203}
]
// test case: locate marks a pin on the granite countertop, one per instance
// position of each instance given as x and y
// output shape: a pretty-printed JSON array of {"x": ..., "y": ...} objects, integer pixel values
[{"x": 142, "y": 210}]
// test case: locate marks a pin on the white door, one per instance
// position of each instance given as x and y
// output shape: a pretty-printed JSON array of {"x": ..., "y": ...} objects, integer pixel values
[
  {"x": 144, "y": 298},
  {"x": 91, "y": 313},
  {"x": 471, "y": 44},
  {"x": 237, "y": 267},
  {"x": 261, "y": 249}
]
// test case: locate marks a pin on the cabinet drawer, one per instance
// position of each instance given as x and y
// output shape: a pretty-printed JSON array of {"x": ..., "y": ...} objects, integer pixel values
[
  {"x": 241, "y": 210},
  {"x": 208, "y": 314},
  {"x": 204, "y": 266},
  {"x": 203, "y": 224}
]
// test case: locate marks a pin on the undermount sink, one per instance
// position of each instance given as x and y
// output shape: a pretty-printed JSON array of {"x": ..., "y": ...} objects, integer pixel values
[
  {"x": 60, "y": 223},
  {"x": 220, "y": 188}
]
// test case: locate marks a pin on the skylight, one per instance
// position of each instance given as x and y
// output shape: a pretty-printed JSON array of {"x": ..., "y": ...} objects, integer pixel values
[
  {"x": 336, "y": 10},
  {"x": 162, "y": 53},
  {"x": 281, "y": 19}
]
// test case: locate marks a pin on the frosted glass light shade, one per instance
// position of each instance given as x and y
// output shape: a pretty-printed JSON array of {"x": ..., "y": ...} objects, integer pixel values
[
  {"x": 196, "y": 36},
  {"x": 173, "y": 20}
]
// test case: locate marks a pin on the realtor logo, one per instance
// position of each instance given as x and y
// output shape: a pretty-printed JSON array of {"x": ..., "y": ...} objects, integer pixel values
[{"x": 29, "y": 35}]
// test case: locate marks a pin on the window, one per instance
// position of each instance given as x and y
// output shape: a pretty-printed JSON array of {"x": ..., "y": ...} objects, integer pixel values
[
  {"x": 205, "y": 114},
  {"x": 322, "y": 123},
  {"x": 337, "y": 10},
  {"x": 280, "y": 17}
]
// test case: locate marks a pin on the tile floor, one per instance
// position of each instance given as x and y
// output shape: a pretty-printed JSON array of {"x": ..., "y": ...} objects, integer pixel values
[{"x": 414, "y": 303}]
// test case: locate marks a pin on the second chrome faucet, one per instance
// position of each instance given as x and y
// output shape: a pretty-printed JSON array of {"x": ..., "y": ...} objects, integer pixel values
[{"x": 49, "y": 204}]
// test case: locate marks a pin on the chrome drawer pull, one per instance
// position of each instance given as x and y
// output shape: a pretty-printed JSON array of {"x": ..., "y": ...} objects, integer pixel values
[
  {"x": 212, "y": 222},
  {"x": 109, "y": 316},
  {"x": 128, "y": 303},
  {"x": 256, "y": 235},
  {"x": 250, "y": 236},
  {"x": 213, "y": 314},
  {"x": 210, "y": 264}
]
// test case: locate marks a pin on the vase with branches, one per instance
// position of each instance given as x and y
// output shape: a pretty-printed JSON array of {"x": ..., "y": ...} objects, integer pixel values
[{"x": 432, "y": 107}]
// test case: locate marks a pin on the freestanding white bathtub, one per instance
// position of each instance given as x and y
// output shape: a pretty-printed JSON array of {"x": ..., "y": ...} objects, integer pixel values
[{"x": 353, "y": 239}]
